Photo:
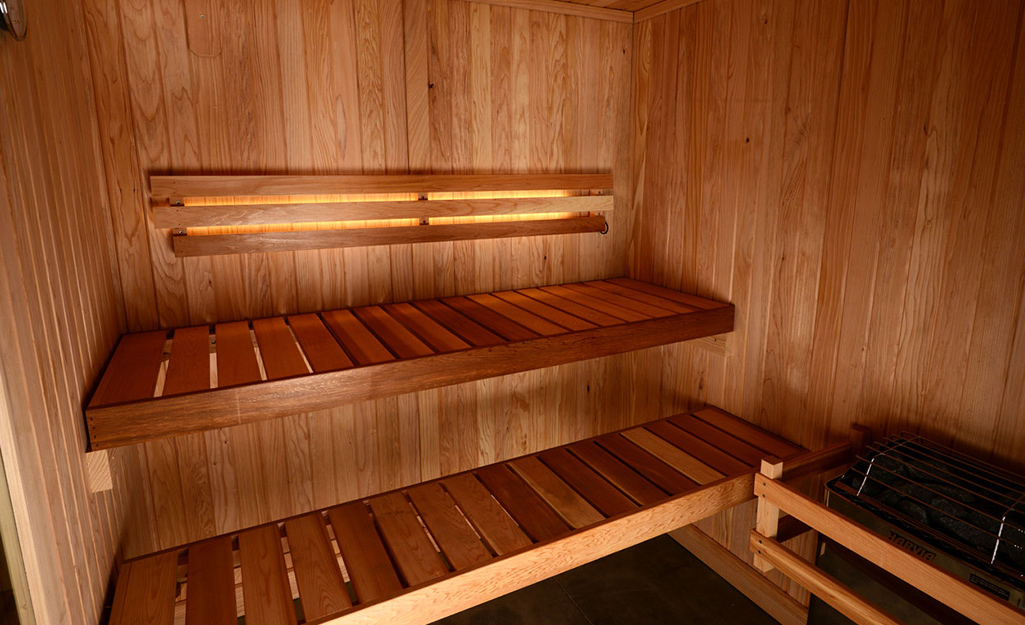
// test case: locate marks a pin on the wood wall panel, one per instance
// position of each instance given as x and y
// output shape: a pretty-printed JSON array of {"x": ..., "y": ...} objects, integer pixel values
[
  {"x": 849, "y": 175},
  {"x": 359, "y": 86},
  {"x": 60, "y": 315}
]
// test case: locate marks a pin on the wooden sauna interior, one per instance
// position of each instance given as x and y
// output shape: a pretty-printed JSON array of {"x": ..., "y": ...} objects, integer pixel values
[{"x": 848, "y": 174}]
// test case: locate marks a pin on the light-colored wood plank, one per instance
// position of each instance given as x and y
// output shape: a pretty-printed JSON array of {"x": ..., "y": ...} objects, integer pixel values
[
  {"x": 97, "y": 470},
  {"x": 233, "y": 186},
  {"x": 573, "y": 508},
  {"x": 767, "y": 516},
  {"x": 756, "y": 587},
  {"x": 661, "y": 8},
  {"x": 673, "y": 456},
  {"x": 822, "y": 585},
  {"x": 566, "y": 8},
  {"x": 220, "y": 244}
]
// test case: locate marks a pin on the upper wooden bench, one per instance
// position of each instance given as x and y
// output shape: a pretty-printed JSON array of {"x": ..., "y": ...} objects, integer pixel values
[
  {"x": 168, "y": 383},
  {"x": 428, "y": 550}
]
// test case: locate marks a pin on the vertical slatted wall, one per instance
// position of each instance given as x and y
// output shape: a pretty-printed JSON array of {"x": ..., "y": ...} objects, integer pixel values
[{"x": 850, "y": 177}]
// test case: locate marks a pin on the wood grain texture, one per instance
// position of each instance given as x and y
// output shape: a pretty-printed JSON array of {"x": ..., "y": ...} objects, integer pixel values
[
  {"x": 251, "y": 243},
  {"x": 321, "y": 585},
  {"x": 953, "y": 591},
  {"x": 60, "y": 310},
  {"x": 415, "y": 522},
  {"x": 211, "y": 570},
  {"x": 239, "y": 399},
  {"x": 504, "y": 575},
  {"x": 268, "y": 597},
  {"x": 755, "y": 586},
  {"x": 837, "y": 174},
  {"x": 180, "y": 217},
  {"x": 183, "y": 187},
  {"x": 430, "y": 87},
  {"x": 819, "y": 583}
]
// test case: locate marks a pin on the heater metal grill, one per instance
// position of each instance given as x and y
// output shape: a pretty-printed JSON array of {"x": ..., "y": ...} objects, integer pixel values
[{"x": 945, "y": 499}]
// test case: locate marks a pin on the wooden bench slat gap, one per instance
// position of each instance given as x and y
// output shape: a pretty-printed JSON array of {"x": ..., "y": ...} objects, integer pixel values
[
  {"x": 573, "y": 308},
  {"x": 739, "y": 449},
  {"x": 645, "y": 298},
  {"x": 638, "y": 487},
  {"x": 458, "y": 323}
]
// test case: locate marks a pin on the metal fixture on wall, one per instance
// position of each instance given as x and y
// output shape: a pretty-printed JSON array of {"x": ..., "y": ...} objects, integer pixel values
[{"x": 14, "y": 18}]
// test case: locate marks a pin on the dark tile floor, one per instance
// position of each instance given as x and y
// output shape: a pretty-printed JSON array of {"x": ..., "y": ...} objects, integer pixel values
[{"x": 653, "y": 583}]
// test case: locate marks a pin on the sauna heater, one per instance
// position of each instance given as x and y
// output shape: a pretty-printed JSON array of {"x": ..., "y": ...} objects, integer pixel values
[{"x": 944, "y": 507}]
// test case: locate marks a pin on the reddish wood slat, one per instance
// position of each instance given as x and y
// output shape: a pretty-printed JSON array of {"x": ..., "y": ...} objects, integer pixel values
[
  {"x": 133, "y": 370},
  {"x": 320, "y": 347},
  {"x": 236, "y": 358},
  {"x": 526, "y": 319},
  {"x": 422, "y": 534},
  {"x": 279, "y": 351},
  {"x": 666, "y": 477},
  {"x": 566, "y": 320},
  {"x": 453, "y": 534},
  {"x": 683, "y": 298},
  {"x": 526, "y": 507},
  {"x": 647, "y": 298},
  {"x": 771, "y": 444},
  {"x": 470, "y": 331},
  {"x": 573, "y": 308},
  {"x": 265, "y": 589},
  {"x": 399, "y": 339},
  {"x": 321, "y": 585},
  {"x": 358, "y": 341},
  {"x": 494, "y": 524},
  {"x": 673, "y": 455},
  {"x": 593, "y": 487},
  {"x": 568, "y": 503},
  {"x": 145, "y": 593},
  {"x": 414, "y": 554},
  {"x": 484, "y": 316},
  {"x": 585, "y": 299},
  {"x": 705, "y": 452},
  {"x": 188, "y": 368},
  {"x": 638, "y": 487},
  {"x": 211, "y": 584},
  {"x": 610, "y": 298},
  {"x": 363, "y": 553},
  {"x": 749, "y": 454},
  {"x": 428, "y": 330}
]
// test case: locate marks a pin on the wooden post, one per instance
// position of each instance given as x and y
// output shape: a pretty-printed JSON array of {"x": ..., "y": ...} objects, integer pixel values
[
  {"x": 861, "y": 437},
  {"x": 767, "y": 517}
]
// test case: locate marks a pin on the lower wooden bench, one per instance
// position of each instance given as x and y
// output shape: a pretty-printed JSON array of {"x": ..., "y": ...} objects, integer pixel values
[{"x": 423, "y": 552}]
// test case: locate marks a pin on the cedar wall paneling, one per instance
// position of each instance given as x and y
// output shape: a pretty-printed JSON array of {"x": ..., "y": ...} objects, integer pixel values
[
  {"x": 354, "y": 86},
  {"x": 850, "y": 174},
  {"x": 59, "y": 313}
]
